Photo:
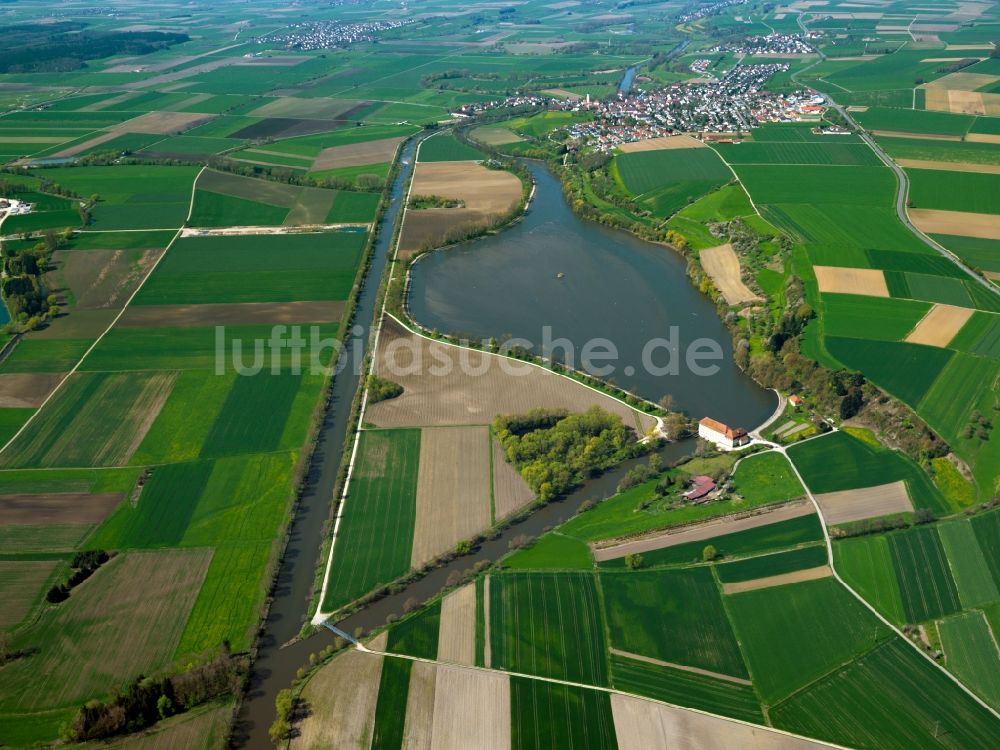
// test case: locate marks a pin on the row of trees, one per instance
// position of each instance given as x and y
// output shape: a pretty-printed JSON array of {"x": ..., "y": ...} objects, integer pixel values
[
  {"x": 25, "y": 293},
  {"x": 147, "y": 700}
]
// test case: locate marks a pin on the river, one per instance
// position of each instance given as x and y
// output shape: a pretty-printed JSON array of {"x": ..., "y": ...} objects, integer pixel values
[{"x": 585, "y": 282}]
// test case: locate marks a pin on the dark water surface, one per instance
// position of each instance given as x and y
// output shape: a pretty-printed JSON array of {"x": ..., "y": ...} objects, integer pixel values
[{"x": 614, "y": 286}]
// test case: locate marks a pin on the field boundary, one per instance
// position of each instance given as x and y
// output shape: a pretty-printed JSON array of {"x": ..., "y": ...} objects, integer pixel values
[{"x": 111, "y": 325}]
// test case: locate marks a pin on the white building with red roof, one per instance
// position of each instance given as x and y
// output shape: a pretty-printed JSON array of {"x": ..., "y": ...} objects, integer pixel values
[{"x": 722, "y": 435}]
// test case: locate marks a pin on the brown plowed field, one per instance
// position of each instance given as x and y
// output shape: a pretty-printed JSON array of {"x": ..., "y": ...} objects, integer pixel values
[
  {"x": 237, "y": 313},
  {"x": 457, "y": 633},
  {"x": 237, "y": 186},
  {"x": 866, "y": 502},
  {"x": 950, "y": 166},
  {"x": 27, "y": 390},
  {"x": 453, "y": 489},
  {"x": 21, "y": 584},
  {"x": 642, "y": 725},
  {"x": 867, "y": 281},
  {"x": 723, "y": 266},
  {"x": 796, "y": 576},
  {"x": 940, "y": 325},
  {"x": 488, "y": 194},
  {"x": 510, "y": 491},
  {"x": 357, "y": 154},
  {"x": 342, "y": 698},
  {"x": 960, "y": 223},
  {"x": 471, "y": 710},
  {"x": 57, "y": 508},
  {"x": 439, "y": 390},
  {"x": 658, "y": 144}
]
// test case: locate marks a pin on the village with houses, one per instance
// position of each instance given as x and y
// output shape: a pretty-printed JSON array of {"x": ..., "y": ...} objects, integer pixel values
[{"x": 722, "y": 109}]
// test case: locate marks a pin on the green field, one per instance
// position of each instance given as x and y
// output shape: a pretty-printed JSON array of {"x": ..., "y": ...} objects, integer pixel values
[
  {"x": 850, "y": 153},
  {"x": 548, "y": 624},
  {"x": 870, "y": 317},
  {"x": 955, "y": 191},
  {"x": 546, "y": 715},
  {"x": 767, "y": 478},
  {"x": 914, "y": 121},
  {"x": 218, "y": 210},
  {"x": 917, "y": 706},
  {"x": 969, "y": 566},
  {"x": 674, "y": 616},
  {"x": 971, "y": 653},
  {"x": 932, "y": 150},
  {"x": 552, "y": 551},
  {"x": 258, "y": 268},
  {"x": 764, "y": 566},
  {"x": 841, "y": 461},
  {"x": 866, "y": 566},
  {"x": 666, "y": 181},
  {"x": 978, "y": 253},
  {"x": 393, "y": 688},
  {"x": 683, "y": 688},
  {"x": 924, "y": 576},
  {"x": 772, "y": 536},
  {"x": 445, "y": 147},
  {"x": 417, "y": 635},
  {"x": 794, "y": 634},
  {"x": 987, "y": 529},
  {"x": 359, "y": 560}
]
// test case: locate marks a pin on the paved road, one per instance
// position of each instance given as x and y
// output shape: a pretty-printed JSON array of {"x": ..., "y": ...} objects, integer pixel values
[{"x": 901, "y": 178}]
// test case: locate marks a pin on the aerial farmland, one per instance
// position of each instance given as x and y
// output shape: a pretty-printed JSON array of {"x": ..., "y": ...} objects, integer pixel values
[{"x": 532, "y": 375}]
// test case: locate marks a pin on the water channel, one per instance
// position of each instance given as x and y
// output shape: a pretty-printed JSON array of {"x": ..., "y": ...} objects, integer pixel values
[{"x": 614, "y": 286}]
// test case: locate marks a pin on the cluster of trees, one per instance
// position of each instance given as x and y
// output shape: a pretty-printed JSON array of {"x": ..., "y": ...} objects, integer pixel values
[
  {"x": 641, "y": 473},
  {"x": 363, "y": 183},
  {"x": 978, "y": 426},
  {"x": 555, "y": 451},
  {"x": 146, "y": 700},
  {"x": 63, "y": 46},
  {"x": 380, "y": 389},
  {"x": 28, "y": 300},
  {"x": 435, "y": 201},
  {"x": 284, "y": 706},
  {"x": 84, "y": 564}
]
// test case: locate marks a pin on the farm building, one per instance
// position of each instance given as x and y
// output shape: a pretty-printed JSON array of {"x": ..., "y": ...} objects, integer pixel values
[
  {"x": 722, "y": 435},
  {"x": 701, "y": 487},
  {"x": 795, "y": 401}
]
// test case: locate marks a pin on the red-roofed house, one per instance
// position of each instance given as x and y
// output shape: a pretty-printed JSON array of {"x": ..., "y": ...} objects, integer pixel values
[
  {"x": 722, "y": 435},
  {"x": 700, "y": 487}
]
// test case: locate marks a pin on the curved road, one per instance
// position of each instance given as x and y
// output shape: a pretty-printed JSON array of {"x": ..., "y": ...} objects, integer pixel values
[{"x": 901, "y": 178}]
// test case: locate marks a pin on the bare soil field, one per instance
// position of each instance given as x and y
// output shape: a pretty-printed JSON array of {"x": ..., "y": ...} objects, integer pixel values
[
  {"x": 510, "y": 491},
  {"x": 288, "y": 127},
  {"x": 569, "y": 95},
  {"x": 658, "y": 144},
  {"x": 187, "y": 730},
  {"x": 77, "y": 324},
  {"x": 341, "y": 698},
  {"x": 453, "y": 489},
  {"x": 796, "y": 576},
  {"x": 836, "y": 280},
  {"x": 100, "y": 279},
  {"x": 684, "y": 667},
  {"x": 471, "y": 709},
  {"x": 311, "y": 207},
  {"x": 867, "y": 502},
  {"x": 498, "y": 136},
  {"x": 154, "y": 123},
  {"x": 57, "y": 508},
  {"x": 125, "y": 620},
  {"x": 21, "y": 584},
  {"x": 701, "y": 531},
  {"x": 448, "y": 385},
  {"x": 264, "y": 191},
  {"x": 357, "y": 154},
  {"x": 723, "y": 266},
  {"x": 940, "y": 325},
  {"x": 642, "y": 724},
  {"x": 319, "y": 108},
  {"x": 418, "y": 726},
  {"x": 950, "y": 166},
  {"x": 457, "y": 633},
  {"x": 960, "y": 223},
  {"x": 982, "y": 138},
  {"x": 27, "y": 390},
  {"x": 488, "y": 194},
  {"x": 237, "y": 313},
  {"x": 921, "y": 136}
]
